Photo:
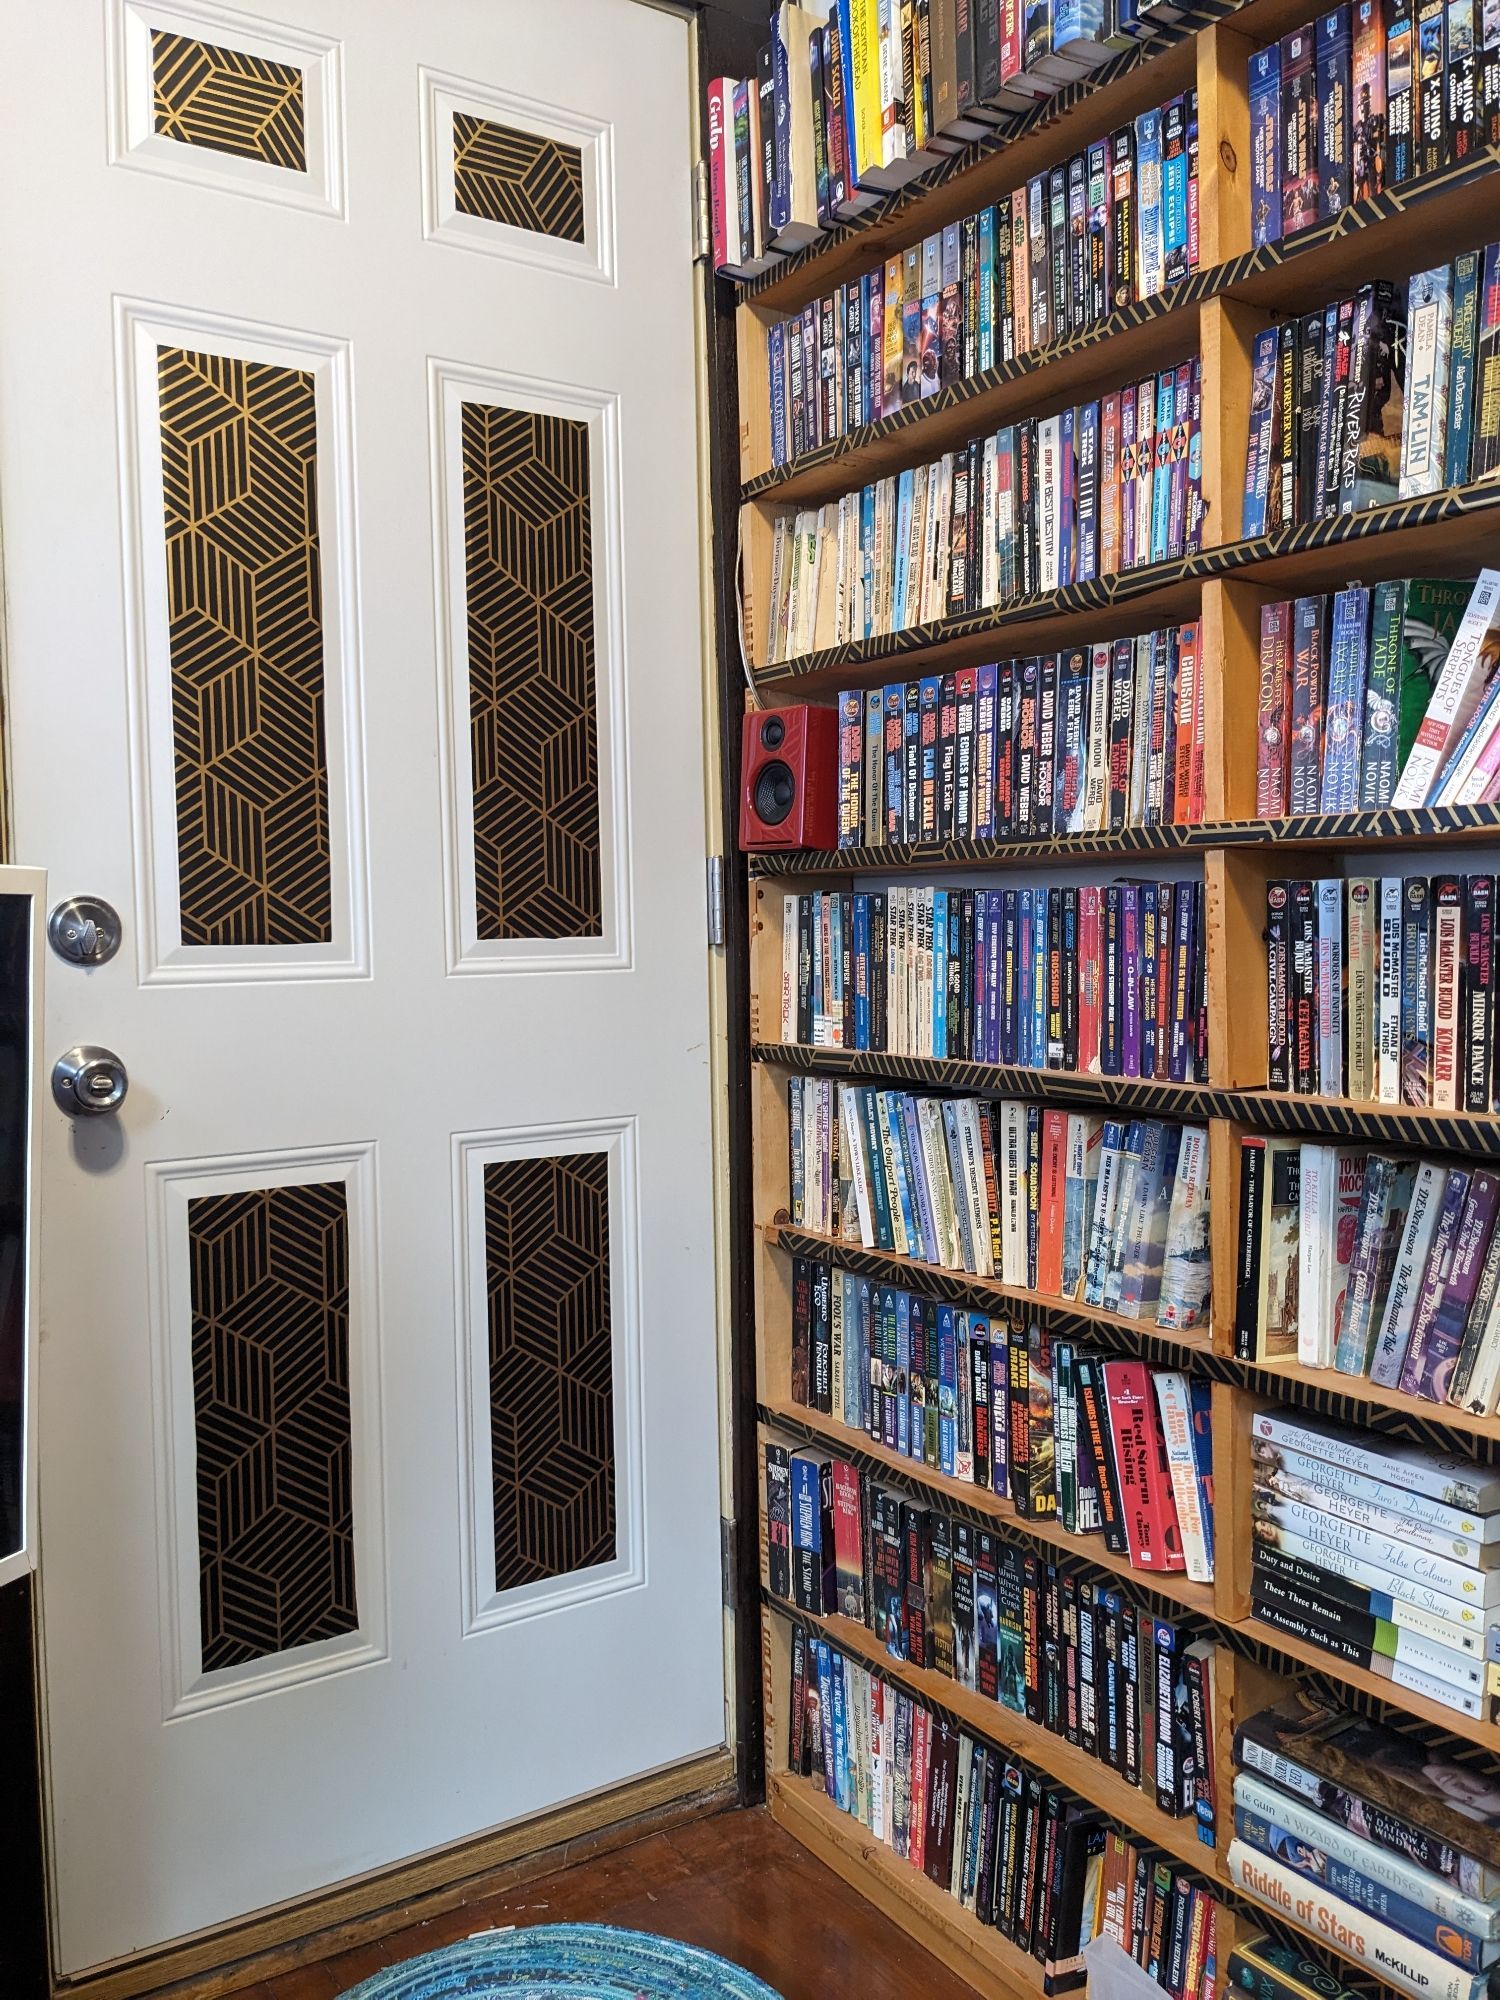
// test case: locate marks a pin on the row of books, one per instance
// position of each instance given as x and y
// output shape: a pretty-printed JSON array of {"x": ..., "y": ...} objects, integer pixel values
[
  {"x": 1383, "y": 1559},
  {"x": 1114, "y": 224},
  {"x": 1077, "y": 1207},
  {"x": 1383, "y": 989},
  {"x": 1106, "y": 1447},
  {"x": 1089, "y": 740},
  {"x": 1023, "y": 1855},
  {"x": 1371, "y": 1264},
  {"x": 1383, "y": 1839},
  {"x": 1080, "y": 1661},
  {"x": 852, "y": 100},
  {"x": 1363, "y": 98},
  {"x": 1346, "y": 686},
  {"x": 1106, "y": 980},
  {"x": 1327, "y": 413},
  {"x": 1042, "y": 504}
]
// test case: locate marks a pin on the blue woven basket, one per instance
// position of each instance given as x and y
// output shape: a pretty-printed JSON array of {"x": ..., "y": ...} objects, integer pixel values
[{"x": 569, "y": 1961}]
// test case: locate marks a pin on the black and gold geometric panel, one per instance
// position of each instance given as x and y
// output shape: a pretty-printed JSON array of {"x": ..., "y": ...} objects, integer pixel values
[
  {"x": 270, "y": 1294},
  {"x": 228, "y": 102},
  {"x": 533, "y": 728},
  {"x": 551, "y": 1365},
  {"x": 517, "y": 178},
  {"x": 244, "y": 584}
]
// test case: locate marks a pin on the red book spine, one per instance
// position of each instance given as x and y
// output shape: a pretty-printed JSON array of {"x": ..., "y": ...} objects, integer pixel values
[
  {"x": 921, "y": 1746},
  {"x": 1149, "y": 1512},
  {"x": 1053, "y": 1188}
]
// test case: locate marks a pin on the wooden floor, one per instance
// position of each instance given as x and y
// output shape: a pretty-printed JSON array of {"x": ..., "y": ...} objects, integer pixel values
[{"x": 734, "y": 1883}]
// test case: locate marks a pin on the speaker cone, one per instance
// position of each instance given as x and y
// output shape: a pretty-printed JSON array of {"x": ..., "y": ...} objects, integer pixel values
[{"x": 775, "y": 793}]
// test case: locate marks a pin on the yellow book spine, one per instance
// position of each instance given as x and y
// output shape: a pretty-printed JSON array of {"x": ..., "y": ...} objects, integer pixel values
[{"x": 864, "y": 50}]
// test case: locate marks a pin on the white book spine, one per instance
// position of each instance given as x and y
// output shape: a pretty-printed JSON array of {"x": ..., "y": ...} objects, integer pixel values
[
  {"x": 1446, "y": 945},
  {"x": 1349, "y": 1491},
  {"x": 1315, "y": 1218},
  {"x": 1330, "y": 987},
  {"x": 1101, "y": 1237},
  {"x": 1380, "y": 1864},
  {"x": 892, "y": 1181},
  {"x": 1454, "y": 696},
  {"x": 1447, "y": 1574},
  {"x": 1456, "y": 1481},
  {"x": 1282, "y": 1488},
  {"x": 1012, "y": 1194},
  {"x": 1096, "y": 772},
  {"x": 1410, "y": 1967},
  {"x": 789, "y": 969},
  {"x": 1371, "y": 1576},
  {"x": 1429, "y": 331},
  {"x": 1177, "y": 1428},
  {"x": 1484, "y": 1377},
  {"x": 989, "y": 572}
]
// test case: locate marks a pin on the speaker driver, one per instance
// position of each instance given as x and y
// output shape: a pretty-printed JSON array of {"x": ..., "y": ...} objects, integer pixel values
[{"x": 775, "y": 793}]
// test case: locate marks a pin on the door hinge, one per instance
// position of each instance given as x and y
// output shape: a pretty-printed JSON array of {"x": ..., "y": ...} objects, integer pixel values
[
  {"x": 727, "y": 1562},
  {"x": 703, "y": 232},
  {"x": 716, "y": 899}
]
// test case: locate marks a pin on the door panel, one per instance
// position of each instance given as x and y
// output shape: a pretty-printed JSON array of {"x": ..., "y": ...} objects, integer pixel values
[{"x": 349, "y": 487}]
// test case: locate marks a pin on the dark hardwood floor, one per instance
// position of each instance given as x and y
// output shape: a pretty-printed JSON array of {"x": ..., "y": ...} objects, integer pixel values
[{"x": 734, "y": 1883}]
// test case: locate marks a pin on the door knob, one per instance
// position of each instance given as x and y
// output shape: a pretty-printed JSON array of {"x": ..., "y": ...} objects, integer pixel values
[{"x": 88, "y": 1082}]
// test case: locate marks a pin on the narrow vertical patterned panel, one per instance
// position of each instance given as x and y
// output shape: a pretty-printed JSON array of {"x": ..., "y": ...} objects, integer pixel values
[
  {"x": 520, "y": 179},
  {"x": 270, "y": 1337},
  {"x": 239, "y": 471},
  {"x": 532, "y": 706},
  {"x": 551, "y": 1365},
  {"x": 221, "y": 99}
]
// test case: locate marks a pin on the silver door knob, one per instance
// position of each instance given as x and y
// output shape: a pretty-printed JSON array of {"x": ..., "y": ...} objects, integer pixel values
[{"x": 88, "y": 1082}]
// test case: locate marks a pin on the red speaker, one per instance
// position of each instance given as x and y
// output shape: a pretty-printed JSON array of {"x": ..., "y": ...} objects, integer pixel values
[{"x": 789, "y": 779}]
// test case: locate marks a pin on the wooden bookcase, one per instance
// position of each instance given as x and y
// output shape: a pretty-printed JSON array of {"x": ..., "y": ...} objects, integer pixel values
[{"x": 1214, "y": 314}]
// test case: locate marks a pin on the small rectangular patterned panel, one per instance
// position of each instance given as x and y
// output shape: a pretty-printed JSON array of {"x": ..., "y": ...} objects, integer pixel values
[
  {"x": 532, "y": 719},
  {"x": 518, "y": 178},
  {"x": 239, "y": 470},
  {"x": 270, "y": 1292},
  {"x": 551, "y": 1365},
  {"x": 228, "y": 102}
]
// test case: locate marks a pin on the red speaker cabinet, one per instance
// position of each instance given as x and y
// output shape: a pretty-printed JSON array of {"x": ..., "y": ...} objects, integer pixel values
[{"x": 789, "y": 779}]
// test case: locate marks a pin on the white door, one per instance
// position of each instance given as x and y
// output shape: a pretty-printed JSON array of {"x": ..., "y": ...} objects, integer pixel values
[{"x": 348, "y": 473}]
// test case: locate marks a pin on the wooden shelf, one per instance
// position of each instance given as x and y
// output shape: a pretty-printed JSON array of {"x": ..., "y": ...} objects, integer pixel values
[
  {"x": 1276, "y": 1111},
  {"x": 1417, "y": 827},
  {"x": 992, "y": 1964},
  {"x": 1063, "y": 1316},
  {"x": 1359, "y": 1392},
  {"x": 1421, "y": 223},
  {"x": 1268, "y": 1639},
  {"x": 1453, "y": 527},
  {"x": 1131, "y": 1806},
  {"x": 1173, "y": 1591}
]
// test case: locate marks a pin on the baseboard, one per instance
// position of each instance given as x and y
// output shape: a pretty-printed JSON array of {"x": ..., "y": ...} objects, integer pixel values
[{"x": 336, "y": 1920}]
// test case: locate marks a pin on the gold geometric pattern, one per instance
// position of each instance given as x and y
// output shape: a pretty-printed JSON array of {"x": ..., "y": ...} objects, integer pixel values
[
  {"x": 517, "y": 178},
  {"x": 239, "y": 468},
  {"x": 228, "y": 102},
  {"x": 551, "y": 1357},
  {"x": 270, "y": 1291},
  {"x": 532, "y": 725}
]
